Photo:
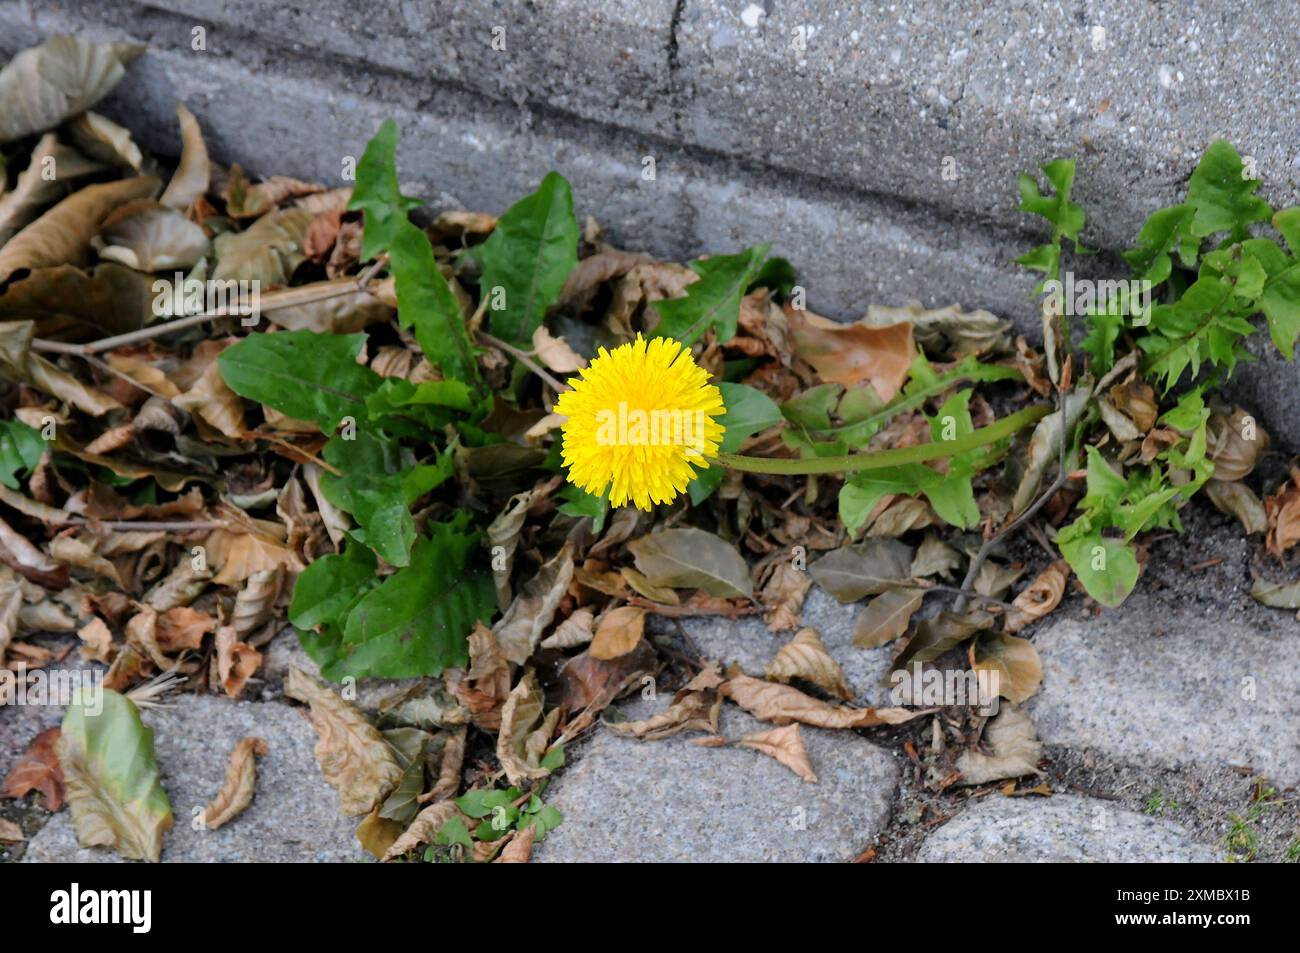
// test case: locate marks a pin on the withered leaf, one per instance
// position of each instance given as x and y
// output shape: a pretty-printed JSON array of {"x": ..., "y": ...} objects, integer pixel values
[
  {"x": 237, "y": 791},
  {"x": 38, "y": 770},
  {"x": 786, "y": 746},
  {"x": 863, "y": 569},
  {"x": 1038, "y": 598},
  {"x": 236, "y": 661},
  {"x": 854, "y": 354},
  {"x": 1015, "y": 750},
  {"x": 520, "y": 847},
  {"x": 423, "y": 829},
  {"x": 1239, "y": 500},
  {"x": 805, "y": 657},
  {"x": 695, "y": 707},
  {"x": 783, "y": 705},
  {"x": 693, "y": 558},
  {"x": 520, "y": 629},
  {"x": 62, "y": 235},
  {"x": 44, "y": 85},
  {"x": 944, "y": 632},
  {"x": 352, "y": 755},
  {"x": 618, "y": 632},
  {"x": 1013, "y": 660},
  {"x": 520, "y": 719},
  {"x": 783, "y": 595},
  {"x": 886, "y": 617}
]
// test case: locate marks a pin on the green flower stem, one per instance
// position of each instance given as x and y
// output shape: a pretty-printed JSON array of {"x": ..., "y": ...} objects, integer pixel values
[{"x": 994, "y": 432}]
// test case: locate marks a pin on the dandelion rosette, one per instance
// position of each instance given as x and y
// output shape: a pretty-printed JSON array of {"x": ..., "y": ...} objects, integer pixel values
[{"x": 639, "y": 422}]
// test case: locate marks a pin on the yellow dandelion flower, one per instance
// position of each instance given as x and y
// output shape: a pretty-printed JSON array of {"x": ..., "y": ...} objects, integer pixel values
[{"x": 639, "y": 419}]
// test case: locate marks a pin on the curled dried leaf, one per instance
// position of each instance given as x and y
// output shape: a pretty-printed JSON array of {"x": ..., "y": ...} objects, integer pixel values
[
  {"x": 805, "y": 657},
  {"x": 1038, "y": 598},
  {"x": 783, "y": 596},
  {"x": 237, "y": 791},
  {"x": 783, "y": 705},
  {"x": 786, "y": 746},
  {"x": 352, "y": 755},
  {"x": 423, "y": 829}
]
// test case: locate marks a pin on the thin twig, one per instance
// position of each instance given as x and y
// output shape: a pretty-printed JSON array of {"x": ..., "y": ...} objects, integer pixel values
[
  {"x": 274, "y": 301},
  {"x": 526, "y": 359}
]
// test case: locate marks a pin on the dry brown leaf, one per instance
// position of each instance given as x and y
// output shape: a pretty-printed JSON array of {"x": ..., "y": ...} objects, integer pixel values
[
  {"x": 241, "y": 555},
  {"x": 179, "y": 587},
  {"x": 34, "y": 189},
  {"x": 483, "y": 691},
  {"x": 786, "y": 746},
  {"x": 886, "y": 617},
  {"x": 255, "y": 603},
  {"x": 521, "y": 720},
  {"x": 1038, "y": 598},
  {"x": 353, "y": 756},
  {"x": 142, "y": 635},
  {"x": 574, "y": 631},
  {"x": 1239, "y": 500},
  {"x": 555, "y": 352},
  {"x": 1015, "y": 750},
  {"x": 783, "y": 596},
  {"x": 11, "y": 833},
  {"x": 237, "y": 791},
  {"x": 423, "y": 829},
  {"x": 97, "y": 641},
  {"x": 453, "y": 761},
  {"x": 854, "y": 354},
  {"x": 520, "y": 847},
  {"x": 592, "y": 684},
  {"x": 191, "y": 178},
  {"x": 214, "y": 402},
  {"x": 695, "y": 707},
  {"x": 520, "y": 629},
  {"x": 783, "y": 705},
  {"x": 182, "y": 628},
  {"x": 62, "y": 235},
  {"x": 76, "y": 552},
  {"x": 805, "y": 657},
  {"x": 236, "y": 661},
  {"x": 618, "y": 632},
  {"x": 19, "y": 554},
  {"x": 1283, "y": 511},
  {"x": 1014, "y": 661},
  {"x": 38, "y": 770}
]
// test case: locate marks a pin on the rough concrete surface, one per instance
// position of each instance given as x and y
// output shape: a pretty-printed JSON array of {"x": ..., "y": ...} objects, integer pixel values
[
  {"x": 665, "y": 801},
  {"x": 1060, "y": 829},
  {"x": 294, "y": 815},
  {"x": 1196, "y": 689}
]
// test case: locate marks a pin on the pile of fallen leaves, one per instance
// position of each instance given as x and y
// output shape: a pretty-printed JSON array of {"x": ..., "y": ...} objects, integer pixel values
[{"x": 371, "y": 453}]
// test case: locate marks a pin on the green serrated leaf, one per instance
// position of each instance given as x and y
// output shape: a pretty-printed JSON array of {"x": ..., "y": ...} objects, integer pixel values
[
  {"x": 1224, "y": 198},
  {"x": 424, "y": 299},
  {"x": 713, "y": 302},
  {"x": 1108, "y": 568},
  {"x": 379, "y": 480},
  {"x": 527, "y": 259},
  {"x": 303, "y": 374},
  {"x": 416, "y": 622},
  {"x": 328, "y": 588}
]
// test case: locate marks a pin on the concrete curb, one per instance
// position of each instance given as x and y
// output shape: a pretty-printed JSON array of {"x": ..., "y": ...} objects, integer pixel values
[{"x": 834, "y": 151}]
